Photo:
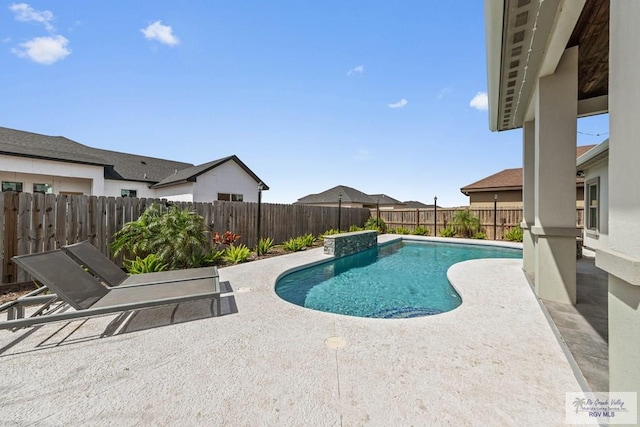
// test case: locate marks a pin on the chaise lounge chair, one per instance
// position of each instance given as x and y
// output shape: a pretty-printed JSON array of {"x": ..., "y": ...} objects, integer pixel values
[
  {"x": 82, "y": 291},
  {"x": 100, "y": 266}
]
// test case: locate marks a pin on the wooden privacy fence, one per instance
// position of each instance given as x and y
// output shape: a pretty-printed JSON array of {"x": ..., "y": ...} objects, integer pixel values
[
  {"x": 506, "y": 218},
  {"x": 33, "y": 223}
]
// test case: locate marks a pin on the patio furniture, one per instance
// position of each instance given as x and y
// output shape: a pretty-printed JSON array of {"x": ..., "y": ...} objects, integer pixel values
[
  {"x": 103, "y": 268},
  {"x": 82, "y": 291}
]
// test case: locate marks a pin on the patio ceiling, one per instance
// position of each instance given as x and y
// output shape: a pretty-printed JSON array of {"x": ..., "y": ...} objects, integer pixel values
[{"x": 533, "y": 38}]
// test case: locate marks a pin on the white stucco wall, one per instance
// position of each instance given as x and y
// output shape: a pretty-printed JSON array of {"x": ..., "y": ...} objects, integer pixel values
[
  {"x": 226, "y": 178},
  {"x": 72, "y": 177},
  {"x": 599, "y": 240},
  {"x": 114, "y": 188},
  {"x": 176, "y": 193}
]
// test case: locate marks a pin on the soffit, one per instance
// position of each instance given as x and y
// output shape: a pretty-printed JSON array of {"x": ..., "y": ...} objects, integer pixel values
[{"x": 528, "y": 28}]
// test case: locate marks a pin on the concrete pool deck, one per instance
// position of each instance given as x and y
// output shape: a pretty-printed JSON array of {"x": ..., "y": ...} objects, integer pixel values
[{"x": 493, "y": 360}]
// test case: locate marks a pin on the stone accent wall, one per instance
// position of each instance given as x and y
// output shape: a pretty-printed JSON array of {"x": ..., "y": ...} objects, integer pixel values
[{"x": 344, "y": 244}]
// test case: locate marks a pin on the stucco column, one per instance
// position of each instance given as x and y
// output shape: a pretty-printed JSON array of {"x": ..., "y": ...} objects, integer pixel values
[
  {"x": 528, "y": 196},
  {"x": 555, "y": 181},
  {"x": 622, "y": 259}
]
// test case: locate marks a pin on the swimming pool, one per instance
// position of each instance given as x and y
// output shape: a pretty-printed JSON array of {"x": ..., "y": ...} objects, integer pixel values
[{"x": 397, "y": 280}]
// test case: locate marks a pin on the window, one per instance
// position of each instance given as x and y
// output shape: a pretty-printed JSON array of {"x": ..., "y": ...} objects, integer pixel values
[
  {"x": 43, "y": 188},
  {"x": 230, "y": 197},
  {"x": 129, "y": 193},
  {"x": 593, "y": 207},
  {"x": 11, "y": 186}
]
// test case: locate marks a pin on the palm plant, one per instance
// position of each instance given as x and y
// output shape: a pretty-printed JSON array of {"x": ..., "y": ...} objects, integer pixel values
[
  {"x": 465, "y": 223},
  {"x": 177, "y": 236}
]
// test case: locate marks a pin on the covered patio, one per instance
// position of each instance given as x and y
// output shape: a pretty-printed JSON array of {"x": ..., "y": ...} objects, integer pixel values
[{"x": 549, "y": 63}]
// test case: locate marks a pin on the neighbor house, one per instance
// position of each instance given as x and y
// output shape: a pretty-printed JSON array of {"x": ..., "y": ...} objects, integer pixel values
[
  {"x": 593, "y": 166},
  {"x": 548, "y": 63},
  {"x": 36, "y": 163},
  {"x": 505, "y": 188},
  {"x": 349, "y": 197}
]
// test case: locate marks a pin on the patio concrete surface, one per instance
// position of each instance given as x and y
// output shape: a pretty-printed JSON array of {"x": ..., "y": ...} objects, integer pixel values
[
  {"x": 492, "y": 361},
  {"x": 584, "y": 326}
]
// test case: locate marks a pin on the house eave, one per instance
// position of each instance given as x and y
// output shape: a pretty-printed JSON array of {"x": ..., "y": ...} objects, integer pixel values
[
  {"x": 593, "y": 156},
  {"x": 521, "y": 51},
  {"x": 54, "y": 159}
]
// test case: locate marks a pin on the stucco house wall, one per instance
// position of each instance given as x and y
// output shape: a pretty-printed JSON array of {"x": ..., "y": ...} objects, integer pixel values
[
  {"x": 506, "y": 199},
  {"x": 64, "y": 177},
  {"x": 114, "y": 188},
  {"x": 228, "y": 178},
  {"x": 599, "y": 239},
  {"x": 177, "y": 193}
]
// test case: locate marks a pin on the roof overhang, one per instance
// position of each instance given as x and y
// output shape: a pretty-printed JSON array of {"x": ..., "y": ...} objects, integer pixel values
[
  {"x": 593, "y": 156},
  {"x": 525, "y": 40},
  {"x": 466, "y": 191}
]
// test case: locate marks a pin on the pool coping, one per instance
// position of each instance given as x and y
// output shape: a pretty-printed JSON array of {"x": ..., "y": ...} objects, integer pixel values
[{"x": 492, "y": 361}]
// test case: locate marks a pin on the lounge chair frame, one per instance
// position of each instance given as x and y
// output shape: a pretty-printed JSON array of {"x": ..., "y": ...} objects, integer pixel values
[
  {"x": 90, "y": 298},
  {"x": 103, "y": 268}
]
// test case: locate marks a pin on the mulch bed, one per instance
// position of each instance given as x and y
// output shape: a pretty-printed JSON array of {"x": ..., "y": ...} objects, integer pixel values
[{"x": 13, "y": 291}]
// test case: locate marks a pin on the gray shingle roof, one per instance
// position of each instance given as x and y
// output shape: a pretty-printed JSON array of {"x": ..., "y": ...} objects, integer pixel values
[
  {"x": 349, "y": 195},
  {"x": 28, "y": 144},
  {"x": 190, "y": 174},
  {"x": 384, "y": 199},
  {"x": 118, "y": 166},
  {"x": 413, "y": 204},
  {"x": 133, "y": 167}
]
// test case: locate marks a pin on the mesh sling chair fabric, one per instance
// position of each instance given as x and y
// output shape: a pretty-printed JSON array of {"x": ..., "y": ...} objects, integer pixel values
[
  {"x": 102, "y": 267},
  {"x": 82, "y": 291}
]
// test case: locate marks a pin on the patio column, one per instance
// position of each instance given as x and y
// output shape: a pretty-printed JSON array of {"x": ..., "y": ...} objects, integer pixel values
[
  {"x": 556, "y": 111},
  {"x": 622, "y": 259},
  {"x": 528, "y": 196}
]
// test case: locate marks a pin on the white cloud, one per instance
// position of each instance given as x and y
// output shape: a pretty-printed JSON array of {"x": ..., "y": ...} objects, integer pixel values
[
  {"x": 400, "y": 104},
  {"x": 363, "y": 154},
  {"x": 444, "y": 92},
  {"x": 356, "y": 71},
  {"x": 44, "y": 50},
  {"x": 480, "y": 101},
  {"x": 162, "y": 33},
  {"x": 25, "y": 13}
]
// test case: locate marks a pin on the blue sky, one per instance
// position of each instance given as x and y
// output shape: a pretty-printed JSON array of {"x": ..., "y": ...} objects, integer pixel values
[{"x": 385, "y": 97}]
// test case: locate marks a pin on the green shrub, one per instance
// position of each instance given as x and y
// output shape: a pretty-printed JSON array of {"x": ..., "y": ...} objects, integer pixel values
[
  {"x": 376, "y": 224},
  {"x": 465, "y": 223},
  {"x": 308, "y": 240},
  {"x": 294, "y": 244},
  {"x": 421, "y": 231},
  {"x": 402, "y": 230},
  {"x": 329, "y": 232},
  {"x": 213, "y": 257},
  {"x": 514, "y": 234},
  {"x": 355, "y": 228},
  {"x": 480, "y": 235},
  {"x": 177, "y": 236},
  {"x": 149, "y": 264},
  {"x": 236, "y": 254},
  {"x": 264, "y": 245},
  {"x": 447, "y": 232}
]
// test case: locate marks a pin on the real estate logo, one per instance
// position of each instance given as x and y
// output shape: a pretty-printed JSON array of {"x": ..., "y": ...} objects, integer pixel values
[{"x": 601, "y": 408}]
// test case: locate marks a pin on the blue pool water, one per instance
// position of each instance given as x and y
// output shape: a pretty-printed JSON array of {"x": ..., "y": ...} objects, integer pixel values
[{"x": 398, "y": 280}]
